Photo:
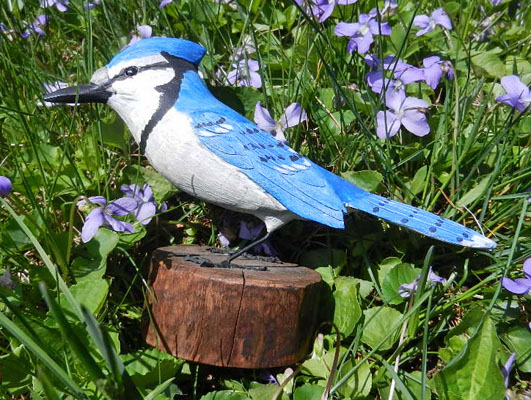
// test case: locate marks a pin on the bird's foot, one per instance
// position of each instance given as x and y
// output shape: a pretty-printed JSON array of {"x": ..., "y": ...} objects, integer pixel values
[
  {"x": 206, "y": 263},
  {"x": 201, "y": 261},
  {"x": 246, "y": 256},
  {"x": 215, "y": 250}
]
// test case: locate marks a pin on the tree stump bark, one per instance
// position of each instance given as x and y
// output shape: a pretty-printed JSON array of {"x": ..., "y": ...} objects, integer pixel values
[{"x": 230, "y": 317}]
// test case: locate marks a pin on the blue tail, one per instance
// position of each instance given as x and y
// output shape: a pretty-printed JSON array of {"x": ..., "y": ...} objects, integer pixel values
[{"x": 408, "y": 216}]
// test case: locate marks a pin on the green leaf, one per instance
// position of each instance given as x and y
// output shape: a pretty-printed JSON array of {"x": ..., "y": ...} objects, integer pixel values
[
  {"x": 16, "y": 367},
  {"x": 127, "y": 240},
  {"x": 47, "y": 385},
  {"x": 385, "y": 266},
  {"x": 316, "y": 368},
  {"x": 474, "y": 373},
  {"x": 364, "y": 287},
  {"x": 308, "y": 392},
  {"x": 40, "y": 353},
  {"x": 381, "y": 324},
  {"x": 518, "y": 339},
  {"x": 419, "y": 180},
  {"x": 359, "y": 384},
  {"x": 489, "y": 64},
  {"x": 412, "y": 383},
  {"x": 327, "y": 273},
  {"x": 399, "y": 275},
  {"x": 468, "y": 325},
  {"x": 76, "y": 344},
  {"x": 475, "y": 193},
  {"x": 91, "y": 263},
  {"x": 90, "y": 294},
  {"x": 258, "y": 391},
  {"x": 367, "y": 180},
  {"x": 103, "y": 342},
  {"x": 347, "y": 310},
  {"x": 225, "y": 395},
  {"x": 13, "y": 235},
  {"x": 149, "y": 367},
  {"x": 160, "y": 389}
]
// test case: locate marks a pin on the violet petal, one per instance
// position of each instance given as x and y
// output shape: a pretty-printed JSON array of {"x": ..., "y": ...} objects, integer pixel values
[
  {"x": 263, "y": 119},
  {"x": 416, "y": 122},
  {"x": 5, "y": 186},
  {"x": 94, "y": 220},
  {"x": 387, "y": 125},
  {"x": 514, "y": 287},
  {"x": 293, "y": 115},
  {"x": 146, "y": 211}
]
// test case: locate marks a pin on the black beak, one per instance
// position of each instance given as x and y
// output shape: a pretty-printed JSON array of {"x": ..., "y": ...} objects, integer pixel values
[{"x": 89, "y": 93}]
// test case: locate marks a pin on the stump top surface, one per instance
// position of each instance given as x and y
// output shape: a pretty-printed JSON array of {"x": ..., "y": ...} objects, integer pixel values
[{"x": 277, "y": 273}]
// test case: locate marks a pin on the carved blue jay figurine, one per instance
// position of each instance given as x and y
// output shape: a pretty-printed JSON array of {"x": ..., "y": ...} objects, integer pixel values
[{"x": 210, "y": 151}]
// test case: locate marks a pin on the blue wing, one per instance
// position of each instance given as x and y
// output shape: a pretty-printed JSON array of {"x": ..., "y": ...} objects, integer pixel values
[
  {"x": 308, "y": 190},
  {"x": 296, "y": 182}
]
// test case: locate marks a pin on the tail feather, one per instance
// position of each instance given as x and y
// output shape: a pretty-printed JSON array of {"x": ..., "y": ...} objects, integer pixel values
[{"x": 410, "y": 217}]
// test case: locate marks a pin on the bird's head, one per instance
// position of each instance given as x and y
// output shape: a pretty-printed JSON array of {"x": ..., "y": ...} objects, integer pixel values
[
  {"x": 135, "y": 74},
  {"x": 140, "y": 81}
]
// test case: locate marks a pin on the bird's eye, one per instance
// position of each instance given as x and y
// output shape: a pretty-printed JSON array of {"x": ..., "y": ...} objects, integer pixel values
[{"x": 130, "y": 71}]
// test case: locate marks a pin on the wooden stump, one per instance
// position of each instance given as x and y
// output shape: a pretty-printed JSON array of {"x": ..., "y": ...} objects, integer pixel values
[{"x": 231, "y": 317}]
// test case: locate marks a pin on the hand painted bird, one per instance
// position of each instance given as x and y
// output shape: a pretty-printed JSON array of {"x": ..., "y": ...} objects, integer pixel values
[{"x": 210, "y": 151}]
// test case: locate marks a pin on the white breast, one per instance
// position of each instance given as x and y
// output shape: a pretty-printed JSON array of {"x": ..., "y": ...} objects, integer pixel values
[{"x": 175, "y": 152}]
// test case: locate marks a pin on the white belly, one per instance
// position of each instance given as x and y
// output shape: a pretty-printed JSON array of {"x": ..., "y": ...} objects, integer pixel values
[{"x": 175, "y": 152}]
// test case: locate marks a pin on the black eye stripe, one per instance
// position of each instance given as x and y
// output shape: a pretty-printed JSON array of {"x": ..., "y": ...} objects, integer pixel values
[{"x": 123, "y": 74}]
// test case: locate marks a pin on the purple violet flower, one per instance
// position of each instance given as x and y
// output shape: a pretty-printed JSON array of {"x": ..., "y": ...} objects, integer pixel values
[
  {"x": 245, "y": 74},
  {"x": 496, "y": 2},
  {"x": 407, "y": 111},
  {"x": 506, "y": 369},
  {"x": 247, "y": 47},
  {"x": 428, "y": 24},
  {"x": 248, "y": 232},
  {"x": 387, "y": 10},
  {"x": 36, "y": 26},
  {"x": 266, "y": 376},
  {"x": 144, "y": 32},
  {"x": 5, "y": 186},
  {"x": 321, "y": 9},
  {"x": 389, "y": 7},
  {"x": 434, "y": 69},
  {"x": 164, "y": 3},
  {"x": 91, "y": 4},
  {"x": 407, "y": 289},
  {"x": 61, "y": 5},
  {"x": 518, "y": 95},
  {"x": 520, "y": 285},
  {"x": 146, "y": 205},
  {"x": 103, "y": 215},
  {"x": 361, "y": 32},
  {"x": 403, "y": 75},
  {"x": 224, "y": 240},
  {"x": 293, "y": 115}
]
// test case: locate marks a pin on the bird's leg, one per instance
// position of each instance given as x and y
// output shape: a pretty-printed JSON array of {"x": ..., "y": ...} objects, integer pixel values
[{"x": 226, "y": 263}]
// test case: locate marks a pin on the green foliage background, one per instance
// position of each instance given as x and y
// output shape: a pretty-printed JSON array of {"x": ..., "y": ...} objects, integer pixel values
[{"x": 70, "y": 324}]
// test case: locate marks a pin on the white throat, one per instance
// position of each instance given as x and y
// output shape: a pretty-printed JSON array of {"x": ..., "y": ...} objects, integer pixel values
[{"x": 137, "y": 98}]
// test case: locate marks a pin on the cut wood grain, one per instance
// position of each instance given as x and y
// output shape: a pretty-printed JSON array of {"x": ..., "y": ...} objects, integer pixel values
[{"x": 230, "y": 317}]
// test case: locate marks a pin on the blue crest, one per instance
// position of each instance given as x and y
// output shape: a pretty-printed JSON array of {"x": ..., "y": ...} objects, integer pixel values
[{"x": 185, "y": 49}]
